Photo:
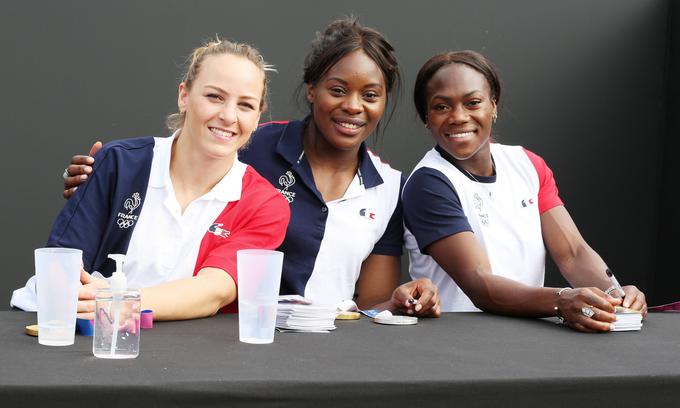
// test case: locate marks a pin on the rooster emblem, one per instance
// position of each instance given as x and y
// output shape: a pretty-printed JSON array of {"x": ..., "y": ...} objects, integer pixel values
[
  {"x": 132, "y": 203},
  {"x": 287, "y": 180}
]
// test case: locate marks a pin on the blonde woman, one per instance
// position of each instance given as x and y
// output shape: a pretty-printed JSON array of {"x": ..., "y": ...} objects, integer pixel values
[{"x": 180, "y": 207}]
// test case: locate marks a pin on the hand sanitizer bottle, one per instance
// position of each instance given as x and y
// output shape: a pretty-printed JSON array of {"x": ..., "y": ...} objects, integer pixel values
[{"x": 116, "y": 318}]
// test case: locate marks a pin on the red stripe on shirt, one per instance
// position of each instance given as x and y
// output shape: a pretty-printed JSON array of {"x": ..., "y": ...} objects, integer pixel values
[{"x": 258, "y": 220}]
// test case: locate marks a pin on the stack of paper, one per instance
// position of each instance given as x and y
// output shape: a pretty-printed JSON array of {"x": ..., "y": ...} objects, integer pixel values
[
  {"x": 298, "y": 314},
  {"x": 627, "y": 320}
]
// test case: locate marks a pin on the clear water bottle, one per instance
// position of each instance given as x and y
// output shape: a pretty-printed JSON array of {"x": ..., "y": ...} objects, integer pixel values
[{"x": 116, "y": 323}]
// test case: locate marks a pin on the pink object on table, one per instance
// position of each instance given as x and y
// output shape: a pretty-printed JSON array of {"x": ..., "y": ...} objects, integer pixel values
[
  {"x": 146, "y": 319},
  {"x": 668, "y": 307}
]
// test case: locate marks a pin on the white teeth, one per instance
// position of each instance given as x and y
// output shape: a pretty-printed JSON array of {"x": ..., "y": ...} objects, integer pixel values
[
  {"x": 459, "y": 135},
  {"x": 348, "y": 125},
  {"x": 221, "y": 133}
]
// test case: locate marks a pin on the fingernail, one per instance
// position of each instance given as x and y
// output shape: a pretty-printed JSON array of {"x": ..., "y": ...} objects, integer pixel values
[{"x": 83, "y": 177}]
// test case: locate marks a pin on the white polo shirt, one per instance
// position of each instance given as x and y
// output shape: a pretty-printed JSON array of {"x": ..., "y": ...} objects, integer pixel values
[
  {"x": 327, "y": 242},
  {"x": 165, "y": 241},
  {"x": 355, "y": 223},
  {"x": 503, "y": 211}
]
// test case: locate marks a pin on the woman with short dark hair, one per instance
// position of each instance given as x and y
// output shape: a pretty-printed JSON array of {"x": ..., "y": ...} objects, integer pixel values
[{"x": 480, "y": 214}]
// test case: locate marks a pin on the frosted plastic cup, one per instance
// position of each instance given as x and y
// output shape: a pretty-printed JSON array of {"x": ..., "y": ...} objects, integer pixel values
[
  {"x": 57, "y": 273},
  {"x": 259, "y": 278}
]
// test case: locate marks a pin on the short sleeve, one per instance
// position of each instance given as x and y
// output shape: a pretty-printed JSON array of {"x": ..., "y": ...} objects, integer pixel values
[
  {"x": 392, "y": 240},
  {"x": 548, "y": 196},
  {"x": 82, "y": 222},
  {"x": 432, "y": 208},
  {"x": 258, "y": 220}
]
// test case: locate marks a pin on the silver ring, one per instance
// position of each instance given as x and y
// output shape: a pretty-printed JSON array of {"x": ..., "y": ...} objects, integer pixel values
[
  {"x": 587, "y": 312},
  {"x": 66, "y": 174}
]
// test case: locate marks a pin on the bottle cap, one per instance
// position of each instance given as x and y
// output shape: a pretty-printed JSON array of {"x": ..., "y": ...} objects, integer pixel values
[
  {"x": 32, "y": 330},
  {"x": 146, "y": 319},
  {"x": 85, "y": 327},
  {"x": 348, "y": 316},
  {"x": 386, "y": 317}
]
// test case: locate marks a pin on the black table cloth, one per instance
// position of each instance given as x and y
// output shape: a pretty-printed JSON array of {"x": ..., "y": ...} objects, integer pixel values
[{"x": 461, "y": 359}]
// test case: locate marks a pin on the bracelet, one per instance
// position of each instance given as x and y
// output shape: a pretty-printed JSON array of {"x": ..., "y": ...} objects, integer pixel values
[{"x": 560, "y": 318}]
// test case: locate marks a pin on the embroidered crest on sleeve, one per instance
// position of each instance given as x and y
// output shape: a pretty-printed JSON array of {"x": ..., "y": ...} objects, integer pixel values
[
  {"x": 287, "y": 180},
  {"x": 126, "y": 220}
]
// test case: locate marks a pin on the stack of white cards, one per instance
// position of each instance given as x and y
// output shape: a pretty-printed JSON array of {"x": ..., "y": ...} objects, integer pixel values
[
  {"x": 627, "y": 320},
  {"x": 298, "y": 314}
]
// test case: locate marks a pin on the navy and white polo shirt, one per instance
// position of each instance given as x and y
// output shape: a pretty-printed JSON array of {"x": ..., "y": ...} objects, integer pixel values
[
  {"x": 503, "y": 211},
  {"x": 326, "y": 242}
]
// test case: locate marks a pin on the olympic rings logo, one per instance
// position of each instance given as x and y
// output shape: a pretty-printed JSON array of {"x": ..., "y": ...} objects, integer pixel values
[{"x": 125, "y": 223}]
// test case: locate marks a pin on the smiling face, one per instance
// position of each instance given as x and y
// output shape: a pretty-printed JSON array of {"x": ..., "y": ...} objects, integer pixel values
[
  {"x": 347, "y": 102},
  {"x": 222, "y": 106},
  {"x": 460, "y": 112}
]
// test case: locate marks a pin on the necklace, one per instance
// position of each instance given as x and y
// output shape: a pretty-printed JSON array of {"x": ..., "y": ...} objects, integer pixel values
[
  {"x": 483, "y": 185},
  {"x": 493, "y": 172}
]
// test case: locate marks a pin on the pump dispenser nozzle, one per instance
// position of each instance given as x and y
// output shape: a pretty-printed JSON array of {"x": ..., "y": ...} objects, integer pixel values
[{"x": 118, "y": 281}]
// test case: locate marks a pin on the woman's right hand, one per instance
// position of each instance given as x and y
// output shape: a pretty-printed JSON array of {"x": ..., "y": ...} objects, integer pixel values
[
  {"x": 86, "y": 294},
  {"x": 573, "y": 305},
  {"x": 79, "y": 169}
]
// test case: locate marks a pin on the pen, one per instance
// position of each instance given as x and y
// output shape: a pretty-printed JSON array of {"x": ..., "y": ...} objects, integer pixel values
[{"x": 615, "y": 284}]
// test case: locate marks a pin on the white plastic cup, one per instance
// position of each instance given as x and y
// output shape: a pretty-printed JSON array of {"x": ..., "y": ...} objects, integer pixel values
[
  {"x": 259, "y": 278},
  {"x": 57, "y": 273}
]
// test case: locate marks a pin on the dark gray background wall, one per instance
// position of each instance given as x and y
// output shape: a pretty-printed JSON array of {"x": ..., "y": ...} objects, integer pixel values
[
  {"x": 588, "y": 84},
  {"x": 665, "y": 280}
]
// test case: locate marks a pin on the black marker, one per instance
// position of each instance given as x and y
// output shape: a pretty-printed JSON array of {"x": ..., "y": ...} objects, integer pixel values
[{"x": 615, "y": 283}]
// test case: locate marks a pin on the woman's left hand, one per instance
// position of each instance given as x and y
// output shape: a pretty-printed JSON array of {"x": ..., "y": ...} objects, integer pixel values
[
  {"x": 635, "y": 299},
  {"x": 424, "y": 292}
]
